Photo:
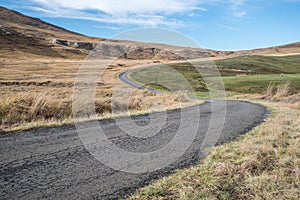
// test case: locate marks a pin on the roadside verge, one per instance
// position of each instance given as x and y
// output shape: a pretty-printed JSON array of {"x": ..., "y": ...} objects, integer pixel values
[{"x": 262, "y": 164}]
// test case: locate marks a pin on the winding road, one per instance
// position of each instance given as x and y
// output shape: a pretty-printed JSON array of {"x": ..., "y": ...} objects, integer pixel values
[{"x": 52, "y": 163}]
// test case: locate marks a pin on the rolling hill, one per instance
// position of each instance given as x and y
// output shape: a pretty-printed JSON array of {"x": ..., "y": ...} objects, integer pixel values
[
  {"x": 27, "y": 37},
  {"x": 23, "y": 36}
]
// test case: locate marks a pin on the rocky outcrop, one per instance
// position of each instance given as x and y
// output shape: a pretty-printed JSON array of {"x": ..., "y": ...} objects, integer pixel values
[
  {"x": 110, "y": 49},
  {"x": 85, "y": 45},
  {"x": 147, "y": 52},
  {"x": 62, "y": 42},
  {"x": 190, "y": 53},
  {"x": 81, "y": 45}
]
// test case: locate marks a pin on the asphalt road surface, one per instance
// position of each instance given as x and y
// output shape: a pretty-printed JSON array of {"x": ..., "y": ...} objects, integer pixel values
[{"x": 52, "y": 163}]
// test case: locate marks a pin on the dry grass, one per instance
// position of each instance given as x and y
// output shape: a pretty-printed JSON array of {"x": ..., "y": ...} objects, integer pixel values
[
  {"x": 45, "y": 109},
  {"x": 39, "y": 93},
  {"x": 282, "y": 93},
  {"x": 278, "y": 92},
  {"x": 27, "y": 108},
  {"x": 263, "y": 164}
]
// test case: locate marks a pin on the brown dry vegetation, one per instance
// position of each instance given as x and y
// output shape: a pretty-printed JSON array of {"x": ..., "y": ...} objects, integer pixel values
[
  {"x": 277, "y": 93},
  {"x": 36, "y": 93},
  {"x": 282, "y": 93}
]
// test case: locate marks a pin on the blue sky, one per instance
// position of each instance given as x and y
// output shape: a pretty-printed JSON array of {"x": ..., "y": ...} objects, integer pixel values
[{"x": 214, "y": 24}]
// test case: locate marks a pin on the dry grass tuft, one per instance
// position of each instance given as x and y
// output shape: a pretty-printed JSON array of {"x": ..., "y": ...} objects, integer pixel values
[
  {"x": 27, "y": 108},
  {"x": 278, "y": 92},
  {"x": 263, "y": 164},
  {"x": 183, "y": 97}
]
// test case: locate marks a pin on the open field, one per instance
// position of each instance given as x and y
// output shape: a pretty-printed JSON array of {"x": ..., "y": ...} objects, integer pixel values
[
  {"x": 260, "y": 65},
  {"x": 38, "y": 92},
  {"x": 259, "y": 83},
  {"x": 35, "y": 92},
  {"x": 263, "y": 164},
  {"x": 249, "y": 74}
]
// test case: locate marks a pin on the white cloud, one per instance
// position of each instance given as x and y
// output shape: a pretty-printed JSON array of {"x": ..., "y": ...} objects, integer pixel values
[
  {"x": 230, "y": 28},
  {"x": 121, "y": 7},
  {"x": 237, "y": 8},
  {"x": 149, "y": 13},
  {"x": 240, "y": 14},
  {"x": 192, "y": 14},
  {"x": 140, "y": 20},
  {"x": 236, "y": 4},
  {"x": 138, "y": 12}
]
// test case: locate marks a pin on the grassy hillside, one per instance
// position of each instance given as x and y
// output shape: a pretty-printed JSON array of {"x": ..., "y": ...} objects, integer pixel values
[
  {"x": 248, "y": 74},
  {"x": 261, "y": 65}
]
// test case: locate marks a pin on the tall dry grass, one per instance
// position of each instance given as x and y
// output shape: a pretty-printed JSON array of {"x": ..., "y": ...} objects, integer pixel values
[
  {"x": 19, "y": 109},
  {"x": 279, "y": 91},
  {"x": 26, "y": 110}
]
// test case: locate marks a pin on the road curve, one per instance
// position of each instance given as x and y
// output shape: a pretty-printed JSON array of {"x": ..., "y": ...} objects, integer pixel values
[{"x": 52, "y": 163}]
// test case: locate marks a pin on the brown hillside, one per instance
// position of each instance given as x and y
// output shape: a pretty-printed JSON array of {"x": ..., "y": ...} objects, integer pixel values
[{"x": 27, "y": 37}]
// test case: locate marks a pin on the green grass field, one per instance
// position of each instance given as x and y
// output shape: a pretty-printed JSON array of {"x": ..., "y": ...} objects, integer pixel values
[
  {"x": 248, "y": 74},
  {"x": 262, "y": 64}
]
